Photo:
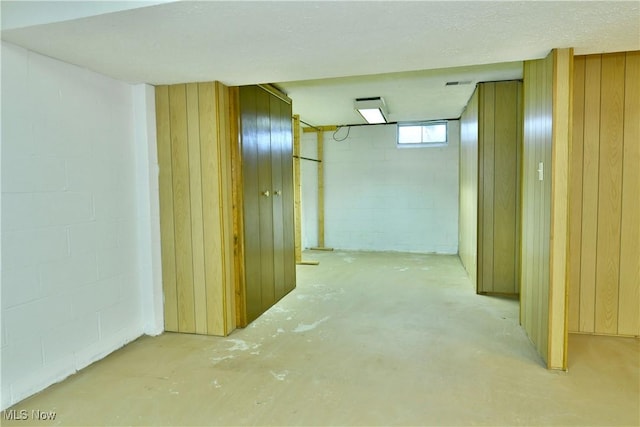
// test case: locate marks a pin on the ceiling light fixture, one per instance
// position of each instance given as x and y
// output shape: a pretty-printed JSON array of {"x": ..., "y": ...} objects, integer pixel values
[{"x": 373, "y": 110}]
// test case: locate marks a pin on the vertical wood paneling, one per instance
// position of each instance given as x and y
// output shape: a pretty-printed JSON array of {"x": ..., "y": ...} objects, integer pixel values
[
  {"x": 505, "y": 188},
  {"x": 543, "y": 270},
  {"x": 182, "y": 207},
  {"x": 629, "y": 295},
  {"x": 545, "y": 206},
  {"x": 196, "y": 216},
  {"x": 197, "y": 234},
  {"x": 519, "y": 163},
  {"x": 606, "y": 225},
  {"x": 266, "y": 203},
  {"x": 237, "y": 186},
  {"x": 609, "y": 193},
  {"x": 214, "y": 248},
  {"x": 277, "y": 203},
  {"x": 544, "y": 197},
  {"x": 468, "y": 195},
  {"x": 561, "y": 122},
  {"x": 526, "y": 206},
  {"x": 210, "y": 196},
  {"x": 575, "y": 194},
  {"x": 591, "y": 161},
  {"x": 251, "y": 201},
  {"x": 497, "y": 140},
  {"x": 165, "y": 182},
  {"x": 267, "y": 196},
  {"x": 226, "y": 115},
  {"x": 487, "y": 154}
]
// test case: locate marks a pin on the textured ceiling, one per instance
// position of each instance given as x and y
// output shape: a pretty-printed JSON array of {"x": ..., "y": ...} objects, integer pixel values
[{"x": 245, "y": 42}]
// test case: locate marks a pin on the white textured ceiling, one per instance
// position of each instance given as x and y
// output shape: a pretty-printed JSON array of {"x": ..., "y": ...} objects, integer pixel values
[{"x": 245, "y": 42}]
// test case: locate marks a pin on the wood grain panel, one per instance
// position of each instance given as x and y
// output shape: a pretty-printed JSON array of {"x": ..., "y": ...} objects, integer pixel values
[
  {"x": 225, "y": 141},
  {"x": 237, "y": 208},
  {"x": 165, "y": 183},
  {"x": 505, "y": 188},
  {"x": 182, "y": 208},
  {"x": 251, "y": 198},
  {"x": 213, "y": 247},
  {"x": 481, "y": 258},
  {"x": 527, "y": 242},
  {"x": 548, "y": 116},
  {"x": 266, "y": 198},
  {"x": 195, "y": 191},
  {"x": 607, "y": 284},
  {"x": 561, "y": 123},
  {"x": 543, "y": 205},
  {"x": 196, "y": 208},
  {"x": 519, "y": 162},
  {"x": 498, "y": 187},
  {"x": 486, "y": 203},
  {"x": 468, "y": 195},
  {"x": 545, "y": 106},
  {"x": 277, "y": 145},
  {"x": 629, "y": 295},
  {"x": 591, "y": 162},
  {"x": 575, "y": 194},
  {"x": 609, "y": 193}
]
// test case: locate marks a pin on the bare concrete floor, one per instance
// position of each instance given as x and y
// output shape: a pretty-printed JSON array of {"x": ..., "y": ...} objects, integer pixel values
[{"x": 365, "y": 339}]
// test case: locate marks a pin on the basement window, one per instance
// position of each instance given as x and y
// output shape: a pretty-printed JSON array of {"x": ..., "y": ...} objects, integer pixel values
[{"x": 422, "y": 134}]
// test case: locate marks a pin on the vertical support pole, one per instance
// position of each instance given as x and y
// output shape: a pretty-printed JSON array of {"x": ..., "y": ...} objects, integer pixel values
[
  {"x": 320, "y": 136},
  {"x": 297, "y": 189}
]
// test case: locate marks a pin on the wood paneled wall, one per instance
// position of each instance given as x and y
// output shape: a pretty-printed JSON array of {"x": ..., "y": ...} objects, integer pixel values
[
  {"x": 547, "y": 107},
  {"x": 500, "y": 133},
  {"x": 490, "y": 135},
  {"x": 468, "y": 217},
  {"x": 193, "y": 131},
  {"x": 604, "y": 267}
]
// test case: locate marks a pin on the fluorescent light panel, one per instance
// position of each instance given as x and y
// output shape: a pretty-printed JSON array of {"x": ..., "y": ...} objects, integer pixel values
[
  {"x": 371, "y": 109},
  {"x": 372, "y": 115}
]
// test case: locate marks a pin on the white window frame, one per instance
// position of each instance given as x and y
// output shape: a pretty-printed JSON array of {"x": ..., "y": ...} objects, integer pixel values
[{"x": 423, "y": 143}]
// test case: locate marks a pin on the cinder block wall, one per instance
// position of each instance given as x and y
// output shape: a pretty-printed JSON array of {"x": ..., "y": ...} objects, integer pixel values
[
  {"x": 72, "y": 220},
  {"x": 382, "y": 198}
]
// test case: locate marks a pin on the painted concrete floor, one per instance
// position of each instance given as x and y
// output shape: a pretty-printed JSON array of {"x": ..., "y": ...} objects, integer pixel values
[{"x": 365, "y": 339}]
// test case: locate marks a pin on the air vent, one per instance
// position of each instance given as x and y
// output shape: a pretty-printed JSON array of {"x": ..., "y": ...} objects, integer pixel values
[{"x": 466, "y": 82}]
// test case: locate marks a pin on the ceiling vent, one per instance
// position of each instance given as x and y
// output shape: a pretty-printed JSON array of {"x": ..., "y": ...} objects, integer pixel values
[{"x": 465, "y": 82}]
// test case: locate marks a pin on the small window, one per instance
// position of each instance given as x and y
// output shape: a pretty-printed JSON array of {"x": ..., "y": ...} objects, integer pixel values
[{"x": 422, "y": 134}]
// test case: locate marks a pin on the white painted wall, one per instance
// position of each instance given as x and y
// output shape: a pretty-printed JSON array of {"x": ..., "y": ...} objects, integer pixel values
[
  {"x": 382, "y": 198},
  {"x": 80, "y": 241},
  {"x": 148, "y": 208}
]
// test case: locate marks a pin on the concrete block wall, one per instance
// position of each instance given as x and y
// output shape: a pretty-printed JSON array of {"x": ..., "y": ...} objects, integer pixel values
[
  {"x": 383, "y": 198},
  {"x": 77, "y": 220}
]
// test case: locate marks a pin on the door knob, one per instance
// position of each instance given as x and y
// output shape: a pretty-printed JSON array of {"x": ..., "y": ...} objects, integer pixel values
[
  {"x": 266, "y": 193},
  {"x": 277, "y": 193}
]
